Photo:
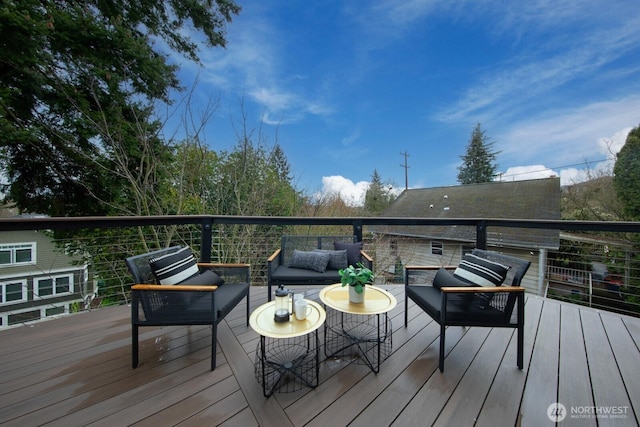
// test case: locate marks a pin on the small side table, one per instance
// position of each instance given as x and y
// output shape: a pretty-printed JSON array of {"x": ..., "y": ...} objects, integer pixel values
[
  {"x": 364, "y": 329},
  {"x": 288, "y": 353}
]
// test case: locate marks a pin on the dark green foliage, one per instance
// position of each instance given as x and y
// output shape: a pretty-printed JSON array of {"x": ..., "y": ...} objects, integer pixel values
[
  {"x": 627, "y": 175},
  {"x": 77, "y": 80},
  {"x": 478, "y": 164}
]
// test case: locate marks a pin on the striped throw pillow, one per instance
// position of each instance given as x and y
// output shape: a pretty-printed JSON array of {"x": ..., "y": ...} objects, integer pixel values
[
  {"x": 481, "y": 271},
  {"x": 175, "y": 267}
]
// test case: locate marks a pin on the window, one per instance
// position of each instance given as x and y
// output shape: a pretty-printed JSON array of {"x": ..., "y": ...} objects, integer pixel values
[
  {"x": 53, "y": 286},
  {"x": 17, "y": 253},
  {"x": 437, "y": 248},
  {"x": 12, "y": 292}
]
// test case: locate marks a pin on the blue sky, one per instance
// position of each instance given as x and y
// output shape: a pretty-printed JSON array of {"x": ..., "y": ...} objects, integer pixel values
[{"x": 346, "y": 87}]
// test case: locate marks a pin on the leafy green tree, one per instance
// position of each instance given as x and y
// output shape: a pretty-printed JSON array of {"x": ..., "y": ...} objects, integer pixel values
[
  {"x": 626, "y": 172},
  {"x": 78, "y": 81},
  {"x": 378, "y": 196},
  {"x": 478, "y": 164}
]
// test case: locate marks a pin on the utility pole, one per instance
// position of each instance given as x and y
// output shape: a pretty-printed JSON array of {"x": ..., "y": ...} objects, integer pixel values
[{"x": 406, "y": 170}]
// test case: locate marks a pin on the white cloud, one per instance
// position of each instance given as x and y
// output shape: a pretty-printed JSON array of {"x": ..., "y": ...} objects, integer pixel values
[
  {"x": 351, "y": 193},
  {"x": 520, "y": 173},
  {"x": 570, "y": 137},
  {"x": 608, "y": 147}
]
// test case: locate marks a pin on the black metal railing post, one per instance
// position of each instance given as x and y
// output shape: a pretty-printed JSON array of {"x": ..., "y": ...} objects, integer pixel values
[
  {"x": 481, "y": 235},
  {"x": 357, "y": 230},
  {"x": 206, "y": 239}
]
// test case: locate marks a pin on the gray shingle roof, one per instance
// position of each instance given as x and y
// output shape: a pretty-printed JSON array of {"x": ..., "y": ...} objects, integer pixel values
[{"x": 533, "y": 199}]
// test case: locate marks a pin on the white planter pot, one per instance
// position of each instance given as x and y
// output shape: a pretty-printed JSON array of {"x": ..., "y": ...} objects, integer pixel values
[{"x": 355, "y": 297}]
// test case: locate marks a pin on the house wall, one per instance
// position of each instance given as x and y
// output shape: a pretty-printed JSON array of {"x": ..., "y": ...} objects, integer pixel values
[{"x": 49, "y": 264}]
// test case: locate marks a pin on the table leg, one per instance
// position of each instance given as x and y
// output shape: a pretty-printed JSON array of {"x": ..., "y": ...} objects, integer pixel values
[{"x": 288, "y": 359}]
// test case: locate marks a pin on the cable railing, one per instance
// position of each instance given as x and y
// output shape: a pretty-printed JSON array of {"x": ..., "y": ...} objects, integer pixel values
[{"x": 56, "y": 266}]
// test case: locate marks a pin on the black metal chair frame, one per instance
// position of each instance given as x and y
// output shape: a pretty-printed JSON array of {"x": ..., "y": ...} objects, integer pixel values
[
  {"x": 171, "y": 305},
  {"x": 511, "y": 293}
]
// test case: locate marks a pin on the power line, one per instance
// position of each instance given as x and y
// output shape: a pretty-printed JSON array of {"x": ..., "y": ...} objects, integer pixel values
[{"x": 552, "y": 168}]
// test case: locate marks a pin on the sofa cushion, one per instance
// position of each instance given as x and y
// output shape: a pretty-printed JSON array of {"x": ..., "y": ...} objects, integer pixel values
[
  {"x": 289, "y": 275},
  {"x": 468, "y": 311},
  {"x": 353, "y": 251},
  {"x": 337, "y": 260},
  {"x": 174, "y": 268},
  {"x": 310, "y": 260},
  {"x": 481, "y": 271},
  {"x": 227, "y": 296}
]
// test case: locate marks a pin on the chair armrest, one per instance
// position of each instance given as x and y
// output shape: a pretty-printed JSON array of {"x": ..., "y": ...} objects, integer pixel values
[
  {"x": 366, "y": 256},
  {"x": 172, "y": 288},
  {"x": 481, "y": 289},
  {"x": 274, "y": 255}
]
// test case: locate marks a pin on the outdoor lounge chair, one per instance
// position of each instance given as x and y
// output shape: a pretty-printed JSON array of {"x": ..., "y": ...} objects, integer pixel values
[
  {"x": 474, "y": 295},
  {"x": 173, "y": 290}
]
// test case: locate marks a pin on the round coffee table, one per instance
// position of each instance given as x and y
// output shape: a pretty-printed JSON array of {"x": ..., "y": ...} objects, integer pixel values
[
  {"x": 363, "y": 330},
  {"x": 288, "y": 353}
]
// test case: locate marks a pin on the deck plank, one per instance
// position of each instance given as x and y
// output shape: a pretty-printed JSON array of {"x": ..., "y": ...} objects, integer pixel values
[
  {"x": 606, "y": 380},
  {"x": 542, "y": 376},
  {"x": 503, "y": 400},
  {"x": 463, "y": 408},
  {"x": 76, "y": 370},
  {"x": 626, "y": 354},
  {"x": 384, "y": 409},
  {"x": 461, "y": 345},
  {"x": 573, "y": 386}
]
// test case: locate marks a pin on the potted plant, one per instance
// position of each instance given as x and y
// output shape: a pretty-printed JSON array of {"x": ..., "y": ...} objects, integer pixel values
[{"x": 356, "y": 277}]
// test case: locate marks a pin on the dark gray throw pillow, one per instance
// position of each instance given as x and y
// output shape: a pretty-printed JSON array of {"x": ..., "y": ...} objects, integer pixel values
[
  {"x": 310, "y": 260},
  {"x": 206, "y": 278},
  {"x": 353, "y": 251},
  {"x": 338, "y": 259},
  {"x": 445, "y": 278}
]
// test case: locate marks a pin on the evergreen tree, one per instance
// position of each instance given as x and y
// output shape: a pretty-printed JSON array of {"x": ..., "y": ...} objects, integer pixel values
[
  {"x": 626, "y": 175},
  {"x": 378, "y": 196},
  {"x": 77, "y": 84},
  {"x": 478, "y": 162}
]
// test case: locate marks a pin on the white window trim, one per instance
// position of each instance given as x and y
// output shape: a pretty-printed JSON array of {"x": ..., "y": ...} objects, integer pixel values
[
  {"x": 36, "y": 286},
  {"x": 3, "y": 291},
  {"x": 22, "y": 245}
]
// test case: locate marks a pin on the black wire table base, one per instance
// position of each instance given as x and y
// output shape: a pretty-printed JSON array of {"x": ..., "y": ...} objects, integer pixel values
[
  {"x": 363, "y": 339},
  {"x": 287, "y": 364}
]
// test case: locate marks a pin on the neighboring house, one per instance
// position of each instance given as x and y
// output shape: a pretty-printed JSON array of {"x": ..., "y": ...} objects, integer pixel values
[
  {"x": 37, "y": 280},
  {"x": 444, "y": 245}
]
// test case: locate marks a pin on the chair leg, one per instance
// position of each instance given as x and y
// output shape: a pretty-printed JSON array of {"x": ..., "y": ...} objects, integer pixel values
[
  {"x": 520, "y": 330},
  {"x": 214, "y": 340},
  {"x": 520, "y": 346},
  {"x": 248, "y": 308},
  {"x": 406, "y": 307},
  {"x": 441, "y": 356},
  {"x": 134, "y": 346}
]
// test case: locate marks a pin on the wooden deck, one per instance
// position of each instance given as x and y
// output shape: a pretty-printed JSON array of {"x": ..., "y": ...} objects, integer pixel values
[{"x": 77, "y": 371}]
